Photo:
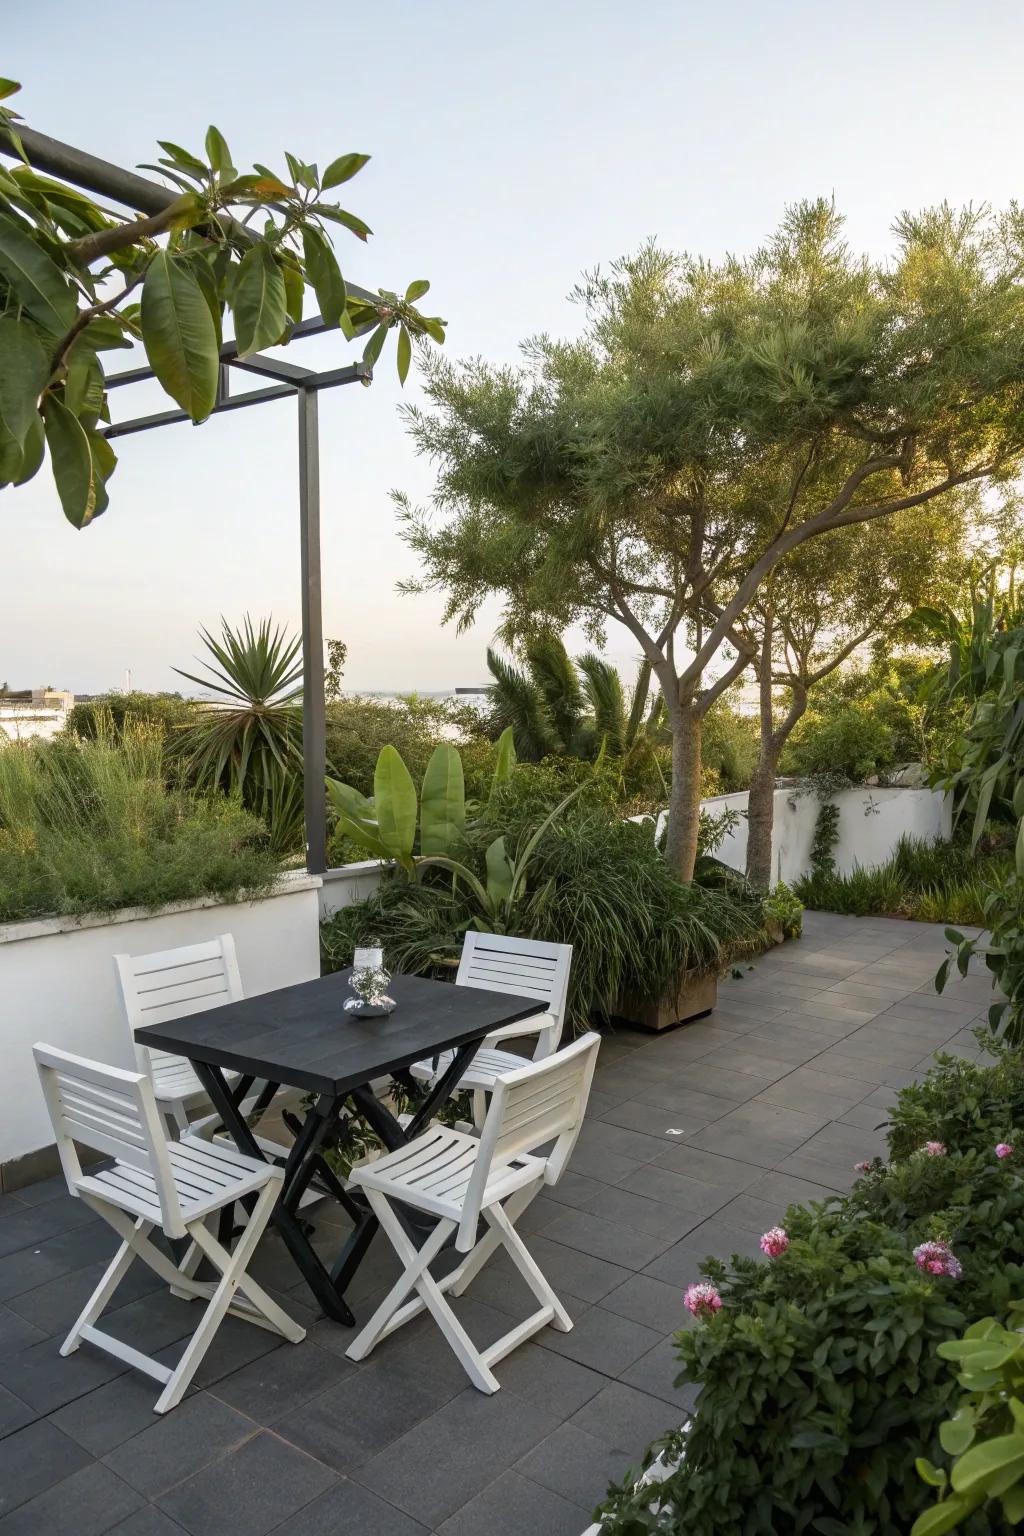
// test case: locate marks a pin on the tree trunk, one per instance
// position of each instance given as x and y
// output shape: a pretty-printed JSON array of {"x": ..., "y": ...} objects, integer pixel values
[
  {"x": 684, "y": 798},
  {"x": 761, "y": 798},
  {"x": 761, "y": 817}
]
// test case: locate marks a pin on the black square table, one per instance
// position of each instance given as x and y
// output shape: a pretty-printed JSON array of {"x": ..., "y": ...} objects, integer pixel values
[{"x": 301, "y": 1037}]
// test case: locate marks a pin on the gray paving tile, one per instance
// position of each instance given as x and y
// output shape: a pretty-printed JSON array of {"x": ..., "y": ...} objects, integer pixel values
[
  {"x": 617, "y": 1204},
  {"x": 147, "y": 1521},
  {"x": 14, "y": 1414},
  {"x": 87, "y": 1503},
  {"x": 45, "y": 1380},
  {"x": 512, "y": 1505},
  {"x": 709, "y": 1167},
  {"x": 549, "y": 1380},
  {"x": 200, "y": 1430},
  {"x": 765, "y": 1132},
  {"x": 577, "y": 1466},
  {"x": 725, "y": 1084},
  {"x": 600, "y": 1136},
  {"x": 16, "y": 1333},
  {"x": 691, "y": 1195},
  {"x": 428, "y": 1472},
  {"x": 103, "y": 1419},
  {"x": 570, "y": 1272},
  {"x": 657, "y": 1373},
  {"x": 648, "y": 1301},
  {"x": 248, "y": 1492},
  {"x": 281, "y": 1380},
  {"x": 347, "y": 1509},
  {"x": 32, "y": 1460},
  {"x": 604, "y": 1341},
  {"x": 667, "y": 1124},
  {"x": 680, "y": 1265},
  {"x": 813, "y": 1092},
  {"x": 615, "y": 1241},
  {"x": 355, "y": 1420}
]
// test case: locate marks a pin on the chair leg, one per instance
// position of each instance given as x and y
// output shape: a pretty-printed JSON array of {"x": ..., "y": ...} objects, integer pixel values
[
  {"x": 115, "y": 1272},
  {"x": 527, "y": 1266},
  {"x": 391, "y": 1313},
  {"x": 479, "y": 1108},
  {"x": 481, "y": 1251},
  {"x": 233, "y": 1278}
]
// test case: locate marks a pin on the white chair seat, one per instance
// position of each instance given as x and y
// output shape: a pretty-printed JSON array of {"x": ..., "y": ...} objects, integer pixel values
[
  {"x": 433, "y": 1172},
  {"x": 205, "y": 1175},
  {"x": 487, "y": 1066},
  {"x": 175, "y": 1081}
]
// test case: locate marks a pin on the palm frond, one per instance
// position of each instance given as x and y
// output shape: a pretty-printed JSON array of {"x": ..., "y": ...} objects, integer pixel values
[
  {"x": 516, "y": 701},
  {"x": 552, "y": 671},
  {"x": 603, "y": 688}
]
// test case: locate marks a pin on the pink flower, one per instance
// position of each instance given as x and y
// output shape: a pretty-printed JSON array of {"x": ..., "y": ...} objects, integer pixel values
[
  {"x": 774, "y": 1242},
  {"x": 934, "y": 1148},
  {"x": 702, "y": 1299},
  {"x": 1004, "y": 1149},
  {"x": 862, "y": 1167},
  {"x": 937, "y": 1258}
]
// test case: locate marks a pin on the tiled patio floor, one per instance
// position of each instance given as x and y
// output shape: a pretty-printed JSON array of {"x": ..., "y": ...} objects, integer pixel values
[{"x": 695, "y": 1143}]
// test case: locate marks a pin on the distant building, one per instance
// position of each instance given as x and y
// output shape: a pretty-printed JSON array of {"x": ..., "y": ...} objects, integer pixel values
[{"x": 29, "y": 712}]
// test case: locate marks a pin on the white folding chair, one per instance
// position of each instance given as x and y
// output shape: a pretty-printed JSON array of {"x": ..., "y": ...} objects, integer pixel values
[
  {"x": 155, "y": 1182},
  {"x": 458, "y": 1178},
  {"x": 169, "y": 984},
  {"x": 496, "y": 962}
]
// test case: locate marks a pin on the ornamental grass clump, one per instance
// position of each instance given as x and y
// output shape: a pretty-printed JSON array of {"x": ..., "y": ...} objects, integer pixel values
[
  {"x": 820, "y": 1384},
  {"x": 91, "y": 826}
]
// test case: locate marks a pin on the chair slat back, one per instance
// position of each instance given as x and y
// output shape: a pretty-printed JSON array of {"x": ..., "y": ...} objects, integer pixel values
[
  {"x": 172, "y": 983},
  {"x": 540, "y": 1103},
  {"x": 496, "y": 962},
  {"x": 112, "y": 1112}
]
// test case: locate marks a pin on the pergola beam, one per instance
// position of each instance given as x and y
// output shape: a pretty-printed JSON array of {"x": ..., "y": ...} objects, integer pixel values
[{"x": 103, "y": 179}]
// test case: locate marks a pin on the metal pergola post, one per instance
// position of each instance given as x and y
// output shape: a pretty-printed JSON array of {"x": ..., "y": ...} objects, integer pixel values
[{"x": 282, "y": 378}]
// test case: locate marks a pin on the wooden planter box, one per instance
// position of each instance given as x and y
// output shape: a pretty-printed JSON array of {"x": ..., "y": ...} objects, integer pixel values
[{"x": 695, "y": 997}]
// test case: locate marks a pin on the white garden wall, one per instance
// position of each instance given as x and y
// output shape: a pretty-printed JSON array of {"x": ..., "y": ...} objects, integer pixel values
[
  {"x": 57, "y": 982},
  {"x": 349, "y": 883},
  {"x": 871, "y": 822}
]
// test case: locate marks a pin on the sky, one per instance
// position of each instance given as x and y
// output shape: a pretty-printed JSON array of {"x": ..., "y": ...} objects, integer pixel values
[{"x": 513, "y": 147}]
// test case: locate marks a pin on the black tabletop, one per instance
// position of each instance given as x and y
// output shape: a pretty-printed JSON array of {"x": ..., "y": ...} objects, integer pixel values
[{"x": 302, "y": 1037}]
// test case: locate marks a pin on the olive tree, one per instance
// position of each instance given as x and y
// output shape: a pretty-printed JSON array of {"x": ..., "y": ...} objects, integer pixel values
[
  {"x": 77, "y": 280},
  {"x": 817, "y": 607},
  {"x": 632, "y": 474}
]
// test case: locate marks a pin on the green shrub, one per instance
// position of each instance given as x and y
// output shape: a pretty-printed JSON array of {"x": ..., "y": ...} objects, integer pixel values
[
  {"x": 819, "y": 1382},
  {"x": 971, "y": 1105},
  {"x": 931, "y": 882},
  {"x": 985, "y": 1435},
  {"x": 90, "y": 826},
  {"x": 595, "y": 881},
  {"x": 169, "y": 712},
  {"x": 729, "y": 748},
  {"x": 357, "y": 729},
  {"x": 857, "y": 742},
  {"x": 861, "y": 893},
  {"x": 784, "y": 910}
]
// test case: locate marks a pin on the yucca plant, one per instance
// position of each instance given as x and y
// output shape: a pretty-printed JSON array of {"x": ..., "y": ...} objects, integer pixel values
[{"x": 248, "y": 737}]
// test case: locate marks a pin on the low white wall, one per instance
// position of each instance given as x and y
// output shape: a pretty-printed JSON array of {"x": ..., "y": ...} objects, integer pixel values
[
  {"x": 57, "y": 981},
  {"x": 349, "y": 883},
  {"x": 871, "y": 822}
]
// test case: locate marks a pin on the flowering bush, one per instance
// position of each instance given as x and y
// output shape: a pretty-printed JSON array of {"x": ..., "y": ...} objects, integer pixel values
[
  {"x": 820, "y": 1382},
  {"x": 965, "y": 1104}
]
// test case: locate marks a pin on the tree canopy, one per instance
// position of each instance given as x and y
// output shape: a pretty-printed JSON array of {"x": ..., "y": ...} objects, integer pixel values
[{"x": 712, "y": 418}]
